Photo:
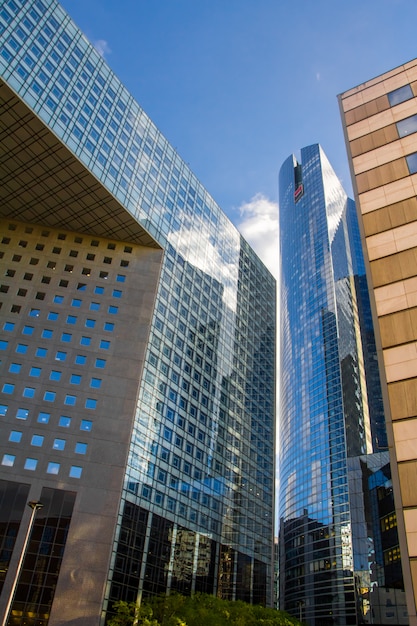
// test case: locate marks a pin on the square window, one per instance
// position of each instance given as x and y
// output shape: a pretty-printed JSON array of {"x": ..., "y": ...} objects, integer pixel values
[
  {"x": 100, "y": 363},
  {"x": 104, "y": 275},
  {"x": 94, "y": 306},
  {"x": 47, "y": 333},
  {"x": 17, "y": 258},
  {"x": 59, "y": 444},
  {"x": 56, "y": 250},
  {"x": 71, "y": 319},
  {"x": 8, "y": 460},
  {"x": 40, "y": 295},
  {"x": 107, "y": 260},
  {"x": 40, "y": 352},
  {"x": 53, "y": 468},
  {"x": 31, "y": 464},
  {"x": 81, "y": 287},
  {"x": 124, "y": 263},
  {"x": 66, "y": 337},
  {"x": 14, "y": 368},
  {"x": 90, "y": 403},
  {"x": 70, "y": 400},
  {"x": 75, "y": 379},
  {"x": 80, "y": 448},
  {"x": 117, "y": 293},
  {"x": 9, "y": 326},
  {"x": 22, "y": 292},
  {"x": 85, "y": 341},
  {"x": 113, "y": 310},
  {"x": 95, "y": 383},
  {"x": 34, "y": 312},
  {"x": 28, "y": 392},
  {"x": 63, "y": 283},
  {"x": 37, "y": 440},
  {"x": 76, "y": 302},
  {"x": 73, "y": 253},
  {"x": 35, "y": 372},
  {"x": 55, "y": 375},
  {"x": 49, "y": 396},
  {"x": 43, "y": 417},
  {"x": 60, "y": 356},
  {"x": 104, "y": 345},
  {"x": 15, "y": 308},
  {"x": 15, "y": 436},
  {"x": 86, "y": 425},
  {"x": 58, "y": 299},
  {"x": 109, "y": 326},
  {"x": 27, "y": 276},
  {"x": 51, "y": 265},
  {"x": 4, "y": 344},
  {"x": 86, "y": 271},
  {"x": 22, "y": 414},
  {"x": 46, "y": 280},
  {"x": 75, "y": 471},
  {"x": 90, "y": 323},
  {"x": 68, "y": 268},
  {"x": 120, "y": 278},
  {"x": 27, "y": 330},
  {"x": 80, "y": 359},
  {"x": 64, "y": 421},
  {"x": 53, "y": 316},
  {"x": 3, "y": 409},
  {"x": 33, "y": 261},
  {"x": 99, "y": 290},
  {"x": 90, "y": 256}
]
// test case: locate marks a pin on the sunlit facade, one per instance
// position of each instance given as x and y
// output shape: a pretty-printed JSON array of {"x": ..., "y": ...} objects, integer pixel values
[
  {"x": 335, "y": 483},
  {"x": 137, "y": 350},
  {"x": 380, "y": 123}
]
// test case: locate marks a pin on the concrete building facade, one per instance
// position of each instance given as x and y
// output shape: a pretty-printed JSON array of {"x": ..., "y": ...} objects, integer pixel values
[{"x": 137, "y": 350}]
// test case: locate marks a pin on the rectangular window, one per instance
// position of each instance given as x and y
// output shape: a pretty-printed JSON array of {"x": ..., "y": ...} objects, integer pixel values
[
  {"x": 400, "y": 95},
  {"x": 86, "y": 425},
  {"x": 407, "y": 126},
  {"x": 64, "y": 421},
  {"x": 412, "y": 162},
  {"x": 59, "y": 444},
  {"x": 31, "y": 464},
  {"x": 43, "y": 418}
]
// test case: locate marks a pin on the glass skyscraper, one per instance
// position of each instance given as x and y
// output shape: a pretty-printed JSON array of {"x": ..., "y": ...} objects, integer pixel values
[
  {"x": 137, "y": 397},
  {"x": 339, "y": 555}
]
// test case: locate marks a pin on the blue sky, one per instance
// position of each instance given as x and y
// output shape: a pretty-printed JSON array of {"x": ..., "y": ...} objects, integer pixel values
[{"x": 238, "y": 85}]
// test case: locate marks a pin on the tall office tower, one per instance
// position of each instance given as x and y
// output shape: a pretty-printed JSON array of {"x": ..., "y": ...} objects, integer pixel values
[
  {"x": 336, "y": 504},
  {"x": 380, "y": 123},
  {"x": 137, "y": 350}
]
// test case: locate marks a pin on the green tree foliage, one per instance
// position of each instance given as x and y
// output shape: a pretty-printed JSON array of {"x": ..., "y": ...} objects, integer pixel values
[{"x": 198, "y": 610}]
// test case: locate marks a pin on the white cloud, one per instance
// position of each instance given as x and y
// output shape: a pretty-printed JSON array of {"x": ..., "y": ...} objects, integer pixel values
[
  {"x": 102, "y": 47},
  {"x": 259, "y": 226}
]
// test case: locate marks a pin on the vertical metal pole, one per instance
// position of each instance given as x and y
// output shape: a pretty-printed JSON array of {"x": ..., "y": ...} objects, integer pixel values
[{"x": 35, "y": 506}]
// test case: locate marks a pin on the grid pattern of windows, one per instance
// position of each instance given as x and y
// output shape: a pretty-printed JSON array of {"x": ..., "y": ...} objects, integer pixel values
[
  {"x": 202, "y": 446},
  {"x": 59, "y": 377},
  {"x": 328, "y": 418}
]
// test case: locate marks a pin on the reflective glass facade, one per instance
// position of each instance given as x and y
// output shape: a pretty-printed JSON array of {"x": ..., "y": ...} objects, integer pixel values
[
  {"x": 333, "y": 439},
  {"x": 138, "y": 329}
]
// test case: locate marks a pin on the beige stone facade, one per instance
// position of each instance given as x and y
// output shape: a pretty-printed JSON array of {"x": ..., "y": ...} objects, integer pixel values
[{"x": 380, "y": 123}]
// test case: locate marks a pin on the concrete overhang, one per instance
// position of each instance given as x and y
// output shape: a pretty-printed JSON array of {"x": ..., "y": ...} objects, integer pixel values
[{"x": 42, "y": 182}]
